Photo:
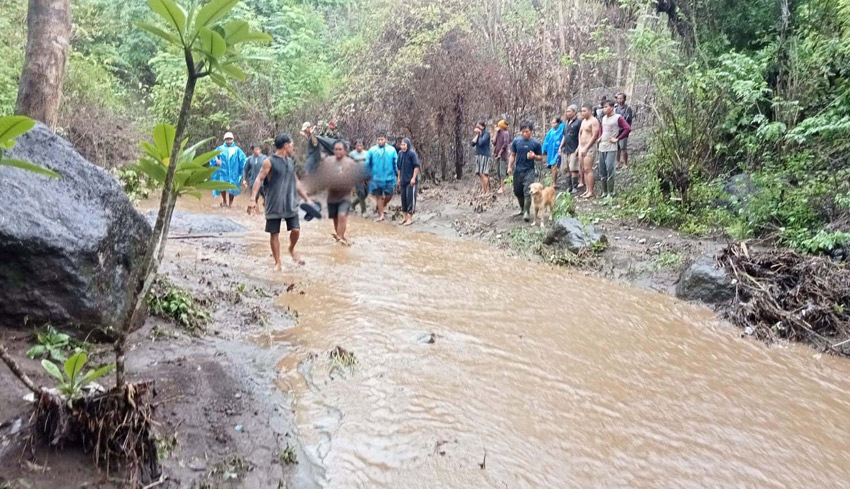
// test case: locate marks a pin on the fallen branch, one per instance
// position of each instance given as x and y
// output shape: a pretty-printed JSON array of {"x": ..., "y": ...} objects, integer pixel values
[{"x": 16, "y": 369}]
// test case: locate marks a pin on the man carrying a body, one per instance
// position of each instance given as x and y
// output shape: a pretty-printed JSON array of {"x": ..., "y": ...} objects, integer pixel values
[
  {"x": 525, "y": 151},
  {"x": 282, "y": 191},
  {"x": 339, "y": 173}
]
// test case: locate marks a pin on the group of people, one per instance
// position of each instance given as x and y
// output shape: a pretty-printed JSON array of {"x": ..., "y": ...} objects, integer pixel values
[
  {"x": 588, "y": 141},
  {"x": 382, "y": 171}
]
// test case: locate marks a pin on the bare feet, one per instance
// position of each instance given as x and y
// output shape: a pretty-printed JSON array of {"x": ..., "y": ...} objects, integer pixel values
[
  {"x": 501, "y": 191},
  {"x": 278, "y": 267},
  {"x": 296, "y": 257},
  {"x": 336, "y": 237},
  {"x": 587, "y": 196},
  {"x": 345, "y": 242},
  {"x": 407, "y": 223},
  {"x": 380, "y": 219}
]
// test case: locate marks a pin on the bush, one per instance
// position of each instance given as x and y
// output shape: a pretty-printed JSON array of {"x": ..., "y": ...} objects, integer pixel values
[{"x": 169, "y": 301}]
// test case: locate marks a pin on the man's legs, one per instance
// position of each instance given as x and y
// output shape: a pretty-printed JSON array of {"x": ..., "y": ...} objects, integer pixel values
[
  {"x": 553, "y": 174},
  {"x": 274, "y": 241},
  {"x": 611, "y": 164},
  {"x": 381, "y": 201},
  {"x": 519, "y": 193},
  {"x": 224, "y": 199},
  {"x": 230, "y": 198},
  {"x": 587, "y": 166},
  {"x": 294, "y": 234}
]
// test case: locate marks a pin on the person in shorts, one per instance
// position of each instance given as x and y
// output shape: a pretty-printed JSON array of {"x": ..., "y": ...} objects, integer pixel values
[
  {"x": 282, "y": 191},
  {"x": 339, "y": 173},
  {"x": 587, "y": 137},
  {"x": 481, "y": 143},
  {"x": 569, "y": 149},
  {"x": 382, "y": 163}
]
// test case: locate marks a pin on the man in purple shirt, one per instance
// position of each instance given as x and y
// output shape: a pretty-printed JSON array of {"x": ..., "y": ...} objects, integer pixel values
[{"x": 501, "y": 152}]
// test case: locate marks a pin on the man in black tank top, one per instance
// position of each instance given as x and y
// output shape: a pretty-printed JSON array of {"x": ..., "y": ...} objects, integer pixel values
[{"x": 282, "y": 191}]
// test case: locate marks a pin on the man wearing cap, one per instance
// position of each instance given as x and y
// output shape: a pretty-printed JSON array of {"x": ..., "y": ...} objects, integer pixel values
[
  {"x": 502, "y": 149},
  {"x": 231, "y": 164},
  {"x": 569, "y": 148}
]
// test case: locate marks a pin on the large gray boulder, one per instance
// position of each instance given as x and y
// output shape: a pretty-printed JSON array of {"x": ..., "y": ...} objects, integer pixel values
[
  {"x": 572, "y": 234},
  {"x": 67, "y": 246},
  {"x": 706, "y": 282}
]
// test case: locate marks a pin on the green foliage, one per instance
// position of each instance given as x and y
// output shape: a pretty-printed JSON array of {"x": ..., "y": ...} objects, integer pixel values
[
  {"x": 135, "y": 184},
  {"x": 666, "y": 260},
  {"x": 70, "y": 381},
  {"x": 51, "y": 343},
  {"x": 171, "y": 302},
  {"x": 565, "y": 206},
  {"x": 193, "y": 172},
  {"x": 10, "y": 128},
  {"x": 288, "y": 456}
]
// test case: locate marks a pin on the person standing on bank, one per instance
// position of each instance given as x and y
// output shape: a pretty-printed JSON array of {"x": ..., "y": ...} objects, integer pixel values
[
  {"x": 481, "y": 143},
  {"x": 626, "y": 113},
  {"x": 502, "y": 151},
  {"x": 408, "y": 179},
  {"x": 570, "y": 161},
  {"x": 282, "y": 191},
  {"x": 587, "y": 138},
  {"x": 382, "y": 162},
  {"x": 253, "y": 165},
  {"x": 551, "y": 144},
  {"x": 230, "y": 163},
  {"x": 525, "y": 151},
  {"x": 614, "y": 129}
]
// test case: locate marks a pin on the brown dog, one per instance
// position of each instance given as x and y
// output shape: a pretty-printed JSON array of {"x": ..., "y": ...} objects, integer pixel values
[{"x": 541, "y": 199}]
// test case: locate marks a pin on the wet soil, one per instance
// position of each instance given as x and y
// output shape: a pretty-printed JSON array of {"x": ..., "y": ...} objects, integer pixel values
[{"x": 222, "y": 421}]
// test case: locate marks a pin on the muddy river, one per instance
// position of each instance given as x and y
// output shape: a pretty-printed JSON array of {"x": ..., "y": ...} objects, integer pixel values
[{"x": 477, "y": 370}]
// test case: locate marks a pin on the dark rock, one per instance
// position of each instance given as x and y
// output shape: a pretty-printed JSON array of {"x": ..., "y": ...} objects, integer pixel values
[
  {"x": 67, "y": 246},
  {"x": 706, "y": 282},
  {"x": 572, "y": 234},
  {"x": 189, "y": 223}
]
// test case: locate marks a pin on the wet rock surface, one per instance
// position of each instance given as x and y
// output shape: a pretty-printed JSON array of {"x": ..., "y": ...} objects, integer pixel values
[
  {"x": 704, "y": 281},
  {"x": 67, "y": 246},
  {"x": 191, "y": 223},
  {"x": 572, "y": 234}
]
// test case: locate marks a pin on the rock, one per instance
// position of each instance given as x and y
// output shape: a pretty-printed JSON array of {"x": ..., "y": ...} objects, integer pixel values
[
  {"x": 189, "y": 223},
  {"x": 67, "y": 246},
  {"x": 705, "y": 282},
  {"x": 571, "y": 234}
]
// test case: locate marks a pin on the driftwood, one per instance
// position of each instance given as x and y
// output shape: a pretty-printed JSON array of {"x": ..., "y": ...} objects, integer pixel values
[{"x": 782, "y": 294}]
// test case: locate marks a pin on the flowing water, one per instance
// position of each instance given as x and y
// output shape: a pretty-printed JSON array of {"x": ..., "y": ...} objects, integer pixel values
[{"x": 559, "y": 379}]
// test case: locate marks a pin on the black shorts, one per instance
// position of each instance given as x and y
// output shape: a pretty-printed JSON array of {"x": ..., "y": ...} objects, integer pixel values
[
  {"x": 337, "y": 208},
  {"x": 273, "y": 225}
]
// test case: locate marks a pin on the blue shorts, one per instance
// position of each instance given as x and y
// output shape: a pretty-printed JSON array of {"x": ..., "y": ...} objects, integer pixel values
[
  {"x": 555, "y": 162},
  {"x": 386, "y": 187}
]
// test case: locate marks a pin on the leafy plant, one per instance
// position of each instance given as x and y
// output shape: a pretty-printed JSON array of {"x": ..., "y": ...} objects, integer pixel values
[
  {"x": 565, "y": 206},
  {"x": 288, "y": 456},
  {"x": 193, "y": 173},
  {"x": 51, "y": 343},
  {"x": 10, "y": 128},
  {"x": 70, "y": 382},
  {"x": 134, "y": 183},
  {"x": 169, "y": 301}
]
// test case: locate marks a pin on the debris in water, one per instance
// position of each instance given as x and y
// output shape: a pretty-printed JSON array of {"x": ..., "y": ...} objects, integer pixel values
[
  {"x": 483, "y": 463},
  {"x": 342, "y": 359}
]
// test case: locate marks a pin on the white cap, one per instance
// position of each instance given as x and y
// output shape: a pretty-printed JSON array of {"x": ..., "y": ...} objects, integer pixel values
[
  {"x": 228, "y": 135},
  {"x": 306, "y": 126}
]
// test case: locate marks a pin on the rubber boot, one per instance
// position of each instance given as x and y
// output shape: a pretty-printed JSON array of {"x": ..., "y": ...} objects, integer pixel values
[
  {"x": 574, "y": 181},
  {"x": 604, "y": 188},
  {"x": 526, "y": 210},
  {"x": 610, "y": 186}
]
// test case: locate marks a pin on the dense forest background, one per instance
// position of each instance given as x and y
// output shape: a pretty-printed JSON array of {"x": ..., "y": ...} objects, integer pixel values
[{"x": 755, "y": 93}]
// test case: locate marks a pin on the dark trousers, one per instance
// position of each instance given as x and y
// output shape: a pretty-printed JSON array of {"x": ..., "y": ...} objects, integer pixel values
[
  {"x": 408, "y": 198},
  {"x": 522, "y": 182}
]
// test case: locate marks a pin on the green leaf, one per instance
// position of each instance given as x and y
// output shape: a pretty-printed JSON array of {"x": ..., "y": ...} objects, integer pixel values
[
  {"x": 171, "y": 38},
  {"x": 215, "y": 185},
  {"x": 234, "y": 30},
  {"x": 151, "y": 169},
  {"x": 93, "y": 375},
  {"x": 206, "y": 157},
  {"x": 171, "y": 12},
  {"x": 30, "y": 167},
  {"x": 13, "y": 126},
  {"x": 201, "y": 175},
  {"x": 163, "y": 137},
  {"x": 52, "y": 369},
  {"x": 197, "y": 195},
  {"x": 75, "y": 364},
  {"x": 233, "y": 71},
  {"x": 213, "y": 12},
  {"x": 36, "y": 351},
  {"x": 254, "y": 36},
  {"x": 212, "y": 42}
]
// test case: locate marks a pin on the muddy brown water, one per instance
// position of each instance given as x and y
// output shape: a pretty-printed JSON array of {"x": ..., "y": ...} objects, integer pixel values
[{"x": 562, "y": 380}]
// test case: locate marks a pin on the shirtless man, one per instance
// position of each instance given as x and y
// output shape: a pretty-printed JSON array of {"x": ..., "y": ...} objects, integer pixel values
[
  {"x": 587, "y": 138},
  {"x": 340, "y": 173}
]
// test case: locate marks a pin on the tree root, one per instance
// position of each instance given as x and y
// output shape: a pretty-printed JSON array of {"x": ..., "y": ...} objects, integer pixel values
[
  {"x": 783, "y": 294},
  {"x": 116, "y": 427}
]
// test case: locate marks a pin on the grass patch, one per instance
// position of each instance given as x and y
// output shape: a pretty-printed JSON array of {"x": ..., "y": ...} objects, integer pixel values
[
  {"x": 288, "y": 456},
  {"x": 666, "y": 260},
  {"x": 169, "y": 301}
]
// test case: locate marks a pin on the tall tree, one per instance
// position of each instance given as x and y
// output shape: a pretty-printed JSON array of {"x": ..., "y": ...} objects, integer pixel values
[{"x": 48, "y": 39}]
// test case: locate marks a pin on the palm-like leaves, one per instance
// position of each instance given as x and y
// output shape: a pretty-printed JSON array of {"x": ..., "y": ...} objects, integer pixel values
[{"x": 10, "y": 128}]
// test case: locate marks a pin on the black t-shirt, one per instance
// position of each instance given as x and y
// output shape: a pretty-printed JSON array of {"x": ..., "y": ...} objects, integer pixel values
[
  {"x": 571, "y": 130},
  {"x": 521, "y": 147}
]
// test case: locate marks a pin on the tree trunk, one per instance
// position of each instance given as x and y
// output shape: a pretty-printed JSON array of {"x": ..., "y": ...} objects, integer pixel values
[
  {"x": 458, "y": 136},
  {"x": 441, "y": 124},
  {"x": 48, "y": 39}
]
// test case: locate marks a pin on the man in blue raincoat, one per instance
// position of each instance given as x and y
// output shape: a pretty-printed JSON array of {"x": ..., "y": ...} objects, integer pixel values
[{"x": 230, "y": 163}]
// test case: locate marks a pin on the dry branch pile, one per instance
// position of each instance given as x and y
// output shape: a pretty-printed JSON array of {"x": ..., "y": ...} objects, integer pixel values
[
  {"x": 116, "y": 426},
  {"x": 783, "y": 294}
]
